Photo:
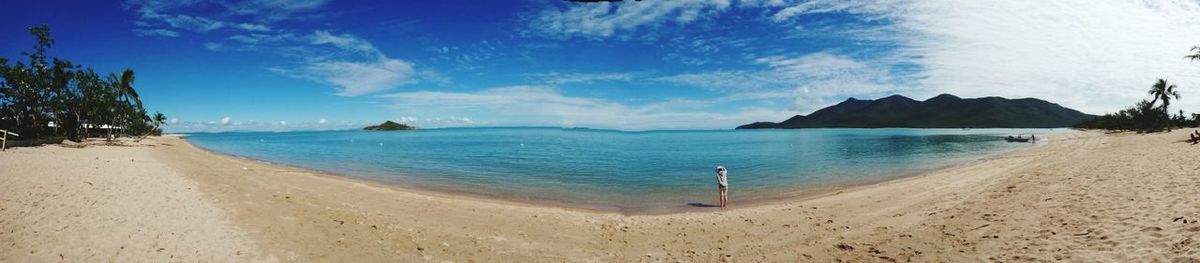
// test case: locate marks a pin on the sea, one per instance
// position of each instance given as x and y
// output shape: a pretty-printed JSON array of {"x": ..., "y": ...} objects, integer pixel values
[{"x": 625, "y": 171}]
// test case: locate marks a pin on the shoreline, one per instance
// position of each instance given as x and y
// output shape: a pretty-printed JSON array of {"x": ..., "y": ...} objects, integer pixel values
[
  {"x": 1085, "y": 196},
  {"x": 799, "y": 193},
  {"x": 428, "y": 191}
]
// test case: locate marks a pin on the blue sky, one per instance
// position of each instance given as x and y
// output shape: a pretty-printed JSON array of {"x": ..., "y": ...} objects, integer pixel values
[{"x": 217, "y": 65}]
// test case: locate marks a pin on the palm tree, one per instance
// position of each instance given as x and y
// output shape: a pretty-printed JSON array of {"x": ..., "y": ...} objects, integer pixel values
[
  {"x": 125, "y": 91},
  {"x": 1163, "y": 91},
  {"x": 1194, "y": 56},
  {"x": 159, "y": 119},
  {"x": 125, "y": 88}
]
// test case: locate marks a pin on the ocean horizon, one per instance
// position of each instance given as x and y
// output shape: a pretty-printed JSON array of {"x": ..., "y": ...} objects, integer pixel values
[{"x": 627, "y": 171}]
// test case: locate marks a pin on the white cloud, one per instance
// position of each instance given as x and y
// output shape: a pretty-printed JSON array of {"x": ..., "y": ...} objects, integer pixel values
[
  {"x": 457, "y": 120},
  {"x": 322, "y": 121},
  {"x": 153, "y": 14},
  {"x": 599, "y": 20},
  {"x": 216, "y": 126},
  {"x": 355, "y": 76},
  {"x": 727, "y": 80},
  {"x": 822, "y": 64},
  {"x": 351, "y": 63},
  {"x": 1089, "y": 55},
  {"x": 226, "y": 120},
  {"x": 253, "y": 27},
  {"x": 1101, "y": 59},
  {"x": 809, "y": 80},
  {"x": 275, "y": 10},
  {"x": 156, "y": 32},
  {"x": 212, "y": 46},
  {"x": 431, "y": 76},
  {"x": 257, "y": 39},
  {"x": 193, "y": 23},
  {"x": 1095, "y": 56},
  {"x": 565, "y": 78},
  {"x": 867, "y": 8},
  {"x": 545, "y": 105},
  {"x": 220, "y": 14},
  {"x": 792, "y": 11},
  {"x": 244, "y": 39},
  {"x": 346, "y": 42},
  {"x": 174, "y": 120}
]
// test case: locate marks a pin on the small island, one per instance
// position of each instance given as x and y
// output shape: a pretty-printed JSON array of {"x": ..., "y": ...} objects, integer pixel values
[{"x": 389, "y": 126}]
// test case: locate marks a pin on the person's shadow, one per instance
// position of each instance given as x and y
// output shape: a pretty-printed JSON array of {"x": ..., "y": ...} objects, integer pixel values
[{"x": 699, "y": 204}]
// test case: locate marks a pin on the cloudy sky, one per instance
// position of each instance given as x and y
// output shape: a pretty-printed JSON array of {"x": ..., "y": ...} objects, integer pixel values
[{"x": 216, "y": 65}]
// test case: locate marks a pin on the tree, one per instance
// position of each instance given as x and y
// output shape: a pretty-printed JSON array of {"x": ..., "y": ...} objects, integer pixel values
[
  {"x": 124, "y": 85},
  {"x": 45, "y": 90},
  {"x": 1162, "y": 90},
  {"x": 30, "y": 93},
  {"x": 1194, "y": 56},
  {"x": 159, "y": 120},
  {"x": 1143, "y": 116},
  {"x": 125, "y": 88}
]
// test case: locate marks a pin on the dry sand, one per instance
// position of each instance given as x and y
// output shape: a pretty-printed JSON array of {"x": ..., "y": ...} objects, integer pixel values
[
  {"x": 109, "y": 204},
  {"x": 1082, "y": 197}
]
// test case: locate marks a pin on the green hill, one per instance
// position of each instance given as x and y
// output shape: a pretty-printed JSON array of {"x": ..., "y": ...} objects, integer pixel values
[
  {"x": 389, "y": 126},
  {"x": 942, "y": 111}
]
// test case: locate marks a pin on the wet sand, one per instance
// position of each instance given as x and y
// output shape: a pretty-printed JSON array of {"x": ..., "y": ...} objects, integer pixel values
[{"x": 1084, "y": 196}]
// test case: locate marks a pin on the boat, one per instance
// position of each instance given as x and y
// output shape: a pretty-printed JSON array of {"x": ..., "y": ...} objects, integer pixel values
[{"x": 1015, "y": 139}]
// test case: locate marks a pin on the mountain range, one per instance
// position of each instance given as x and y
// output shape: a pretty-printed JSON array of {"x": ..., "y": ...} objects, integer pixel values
[{"x": 942, "y": 111}]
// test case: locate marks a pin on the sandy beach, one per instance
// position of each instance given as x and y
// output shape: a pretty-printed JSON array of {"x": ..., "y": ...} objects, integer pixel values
[{"x": 1084, "y": 196}]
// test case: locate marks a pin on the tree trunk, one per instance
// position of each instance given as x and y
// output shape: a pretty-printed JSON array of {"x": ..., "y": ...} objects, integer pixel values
[{"x": 108, "y": 133}]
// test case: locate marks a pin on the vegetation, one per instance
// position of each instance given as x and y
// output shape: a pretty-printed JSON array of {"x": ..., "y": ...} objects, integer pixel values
[
  {"x": 389, "y": 126},
  {"x": 52, "y": 97},
  {"x": 942, "y": 111},
  {"x": 1144, "y": 116}
]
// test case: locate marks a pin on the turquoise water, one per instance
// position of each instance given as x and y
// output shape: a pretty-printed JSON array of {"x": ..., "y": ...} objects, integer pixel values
[{"x": 627, "y": 171}]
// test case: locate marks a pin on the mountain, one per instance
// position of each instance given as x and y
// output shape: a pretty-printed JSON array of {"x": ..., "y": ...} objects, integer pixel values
[
  {"x": 389, "y": 126},
  {"x": 942, "y": 111}
]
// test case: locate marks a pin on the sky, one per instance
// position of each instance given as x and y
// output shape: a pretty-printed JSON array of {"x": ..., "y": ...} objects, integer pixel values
[{"x": 275, "y": 65}]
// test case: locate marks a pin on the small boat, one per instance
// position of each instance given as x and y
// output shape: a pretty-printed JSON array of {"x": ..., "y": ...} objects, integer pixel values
[{"x": 1015, "y": 139}]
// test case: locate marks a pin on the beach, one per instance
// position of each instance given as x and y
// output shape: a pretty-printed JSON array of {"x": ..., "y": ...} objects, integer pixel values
[{"x": 1083, "y": 196}]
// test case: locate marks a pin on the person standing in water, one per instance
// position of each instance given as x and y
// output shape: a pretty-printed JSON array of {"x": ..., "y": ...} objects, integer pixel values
[{"x": 723, "y": 185}]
